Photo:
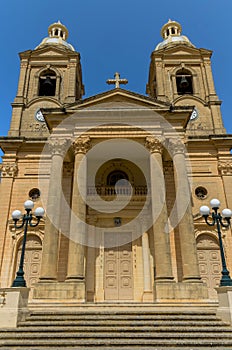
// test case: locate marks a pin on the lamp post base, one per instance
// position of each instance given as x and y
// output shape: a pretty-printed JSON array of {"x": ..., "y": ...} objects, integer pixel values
[
  {"x": 19, "y": 282},
  {"x": 226, "y": 281}
]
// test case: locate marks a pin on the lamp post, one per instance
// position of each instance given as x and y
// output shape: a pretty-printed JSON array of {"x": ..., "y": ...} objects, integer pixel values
[
  {"x": 217, "y": 219},
  {"x": 27, "y": 220}
]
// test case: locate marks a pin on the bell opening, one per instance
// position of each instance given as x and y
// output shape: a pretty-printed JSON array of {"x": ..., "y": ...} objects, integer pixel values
[
  {"x": 184, "y": 82},
  {"x": 47, "y": 84}
]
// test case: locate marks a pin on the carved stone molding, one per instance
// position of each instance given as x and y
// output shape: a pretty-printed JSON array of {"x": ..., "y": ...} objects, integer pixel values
[
  {"x": 8, "y": 169},
  {"x": 81, "y": 145},
  {"x": 153, "y": 144},
  {"x": 176, "y": 146},
  {"x": 58, "y": 146},
  {"x": 225, "y": 167}
]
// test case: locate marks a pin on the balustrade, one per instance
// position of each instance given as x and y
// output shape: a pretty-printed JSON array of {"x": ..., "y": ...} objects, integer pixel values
[{"x": 117, "y": 190}]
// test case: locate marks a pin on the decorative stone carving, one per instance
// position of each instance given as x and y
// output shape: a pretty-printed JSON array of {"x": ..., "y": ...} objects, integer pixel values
[
  {"x": 225, "y": 167},
  {"x": 8, "y": 169},
  {"x": 81, "y": 145},
  {"x": 153, "y": 144},
  {"x": 58, "y": 146},
  {"x": 176, "y": 146}
]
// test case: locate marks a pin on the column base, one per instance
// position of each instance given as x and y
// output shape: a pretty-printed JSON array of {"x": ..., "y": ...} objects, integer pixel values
[
  {"x": 224, "y": 310},
  {"x": 148, "y": 296},
  {"x": 60, "y": 290},
  {"x": 13, "y": 302},
  {"x": 179, "y": 291}
]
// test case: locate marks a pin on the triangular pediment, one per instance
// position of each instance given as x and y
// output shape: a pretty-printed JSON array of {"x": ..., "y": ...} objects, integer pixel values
[
  {"x": 51, "y": 51},
  {"x": 119, "y": 98},
  {"x": 185, "y": 50}
]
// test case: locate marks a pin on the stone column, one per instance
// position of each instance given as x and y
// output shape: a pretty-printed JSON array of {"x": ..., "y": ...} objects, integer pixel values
[
  {"x": 163, "y": 265},
  {"x": 184, "y": 213},
  {"x": 76, "y": 257},
  {"x": 58, "y": 148}
]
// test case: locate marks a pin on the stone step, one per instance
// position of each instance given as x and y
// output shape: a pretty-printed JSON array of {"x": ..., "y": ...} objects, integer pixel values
[
  {"x": 119, "y": 342},
  {"x": 24, "y": 331},
  {"x": 108, "y": 334},
  {"x": 167, "y": 323},
  {"x": 118, "y": 329},
  {"x": 122, "y": 317}
]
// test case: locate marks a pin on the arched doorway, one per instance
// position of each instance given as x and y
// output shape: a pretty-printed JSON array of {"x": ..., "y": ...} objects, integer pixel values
[
  {"x": 209, "y": 262},
  {"x": 32, "y": 260}
]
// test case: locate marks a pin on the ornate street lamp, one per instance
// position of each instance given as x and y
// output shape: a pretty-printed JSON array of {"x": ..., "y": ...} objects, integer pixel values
[
  {"x": 32, "y": 221},
  {"x": 220, "y": 220}
]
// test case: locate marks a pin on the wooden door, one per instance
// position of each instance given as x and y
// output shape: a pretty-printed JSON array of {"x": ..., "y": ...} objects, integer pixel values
[
  {"x": 118, "y": 267},
  {"x": 209, "y": 263},
  {"x": 32, "y": 260}
]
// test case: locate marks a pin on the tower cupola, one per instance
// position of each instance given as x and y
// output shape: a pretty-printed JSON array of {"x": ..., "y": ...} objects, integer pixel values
[
  {"x": 171, "y": 33},
  {"x": 58, "y": 34}
]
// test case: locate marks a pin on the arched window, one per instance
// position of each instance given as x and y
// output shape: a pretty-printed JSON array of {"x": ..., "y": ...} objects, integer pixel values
[
  {"x": 47, "y": 83},
  {"x": 184, "y": 82},
  {"x": 115, "y": 176}
]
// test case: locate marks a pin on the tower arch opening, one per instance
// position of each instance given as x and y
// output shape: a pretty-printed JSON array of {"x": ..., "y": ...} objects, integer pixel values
[
  {"x": 184, "y": 82},
  {"x": 47, "y": 83}
]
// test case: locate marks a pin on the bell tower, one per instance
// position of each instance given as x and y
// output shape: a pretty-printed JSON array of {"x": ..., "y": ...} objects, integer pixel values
[
  {"x": 181, "y": 74},
  {"x": 50, "y": 77}
]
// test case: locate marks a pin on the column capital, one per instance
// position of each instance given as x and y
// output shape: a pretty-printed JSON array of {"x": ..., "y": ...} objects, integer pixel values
[
  {"x": 154, "y": 145},
  {"x": 81, "y": 145},
  {"x": 176, "y": 146},
  {"x": 225, "y": 167},
  {"x": 8, "y": 169},
  {"x": 58, "y": 146}
]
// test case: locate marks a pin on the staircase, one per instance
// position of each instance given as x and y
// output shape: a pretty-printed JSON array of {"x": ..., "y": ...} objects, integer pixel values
[{"x": 119, "y": 327}]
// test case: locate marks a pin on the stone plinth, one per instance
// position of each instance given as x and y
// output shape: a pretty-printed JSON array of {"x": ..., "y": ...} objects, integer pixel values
[
  {"x": 224, "y": 310},
  {"x": 60, "y": 290},
  {"x": 13, "y": 306},
  {"x": 180, "y": 291}
]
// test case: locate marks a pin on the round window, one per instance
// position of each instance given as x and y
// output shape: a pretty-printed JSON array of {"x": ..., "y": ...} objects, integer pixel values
[
  {"x": 201, "y": 192},
  {"x": 34, "y": 194}
]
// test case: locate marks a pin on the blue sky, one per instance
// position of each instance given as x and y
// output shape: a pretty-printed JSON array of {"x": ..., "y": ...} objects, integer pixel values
[{"x": 114, "y": 36}]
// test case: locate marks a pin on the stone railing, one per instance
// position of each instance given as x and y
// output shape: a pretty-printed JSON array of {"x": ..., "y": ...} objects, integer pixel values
[{"x": 117, "y": 190}]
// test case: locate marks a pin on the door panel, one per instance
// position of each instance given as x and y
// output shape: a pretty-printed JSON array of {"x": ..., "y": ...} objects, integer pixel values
[
  {"x": 209, "y": 263},
  {"x": 118, "y": 276}
]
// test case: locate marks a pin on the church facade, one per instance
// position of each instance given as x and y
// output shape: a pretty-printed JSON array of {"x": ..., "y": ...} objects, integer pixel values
[{"x": 121, "y": 176}]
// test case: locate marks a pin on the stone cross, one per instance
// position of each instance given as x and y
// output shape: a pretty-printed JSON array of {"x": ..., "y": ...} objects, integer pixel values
[{"x": 117, "y": 81}]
